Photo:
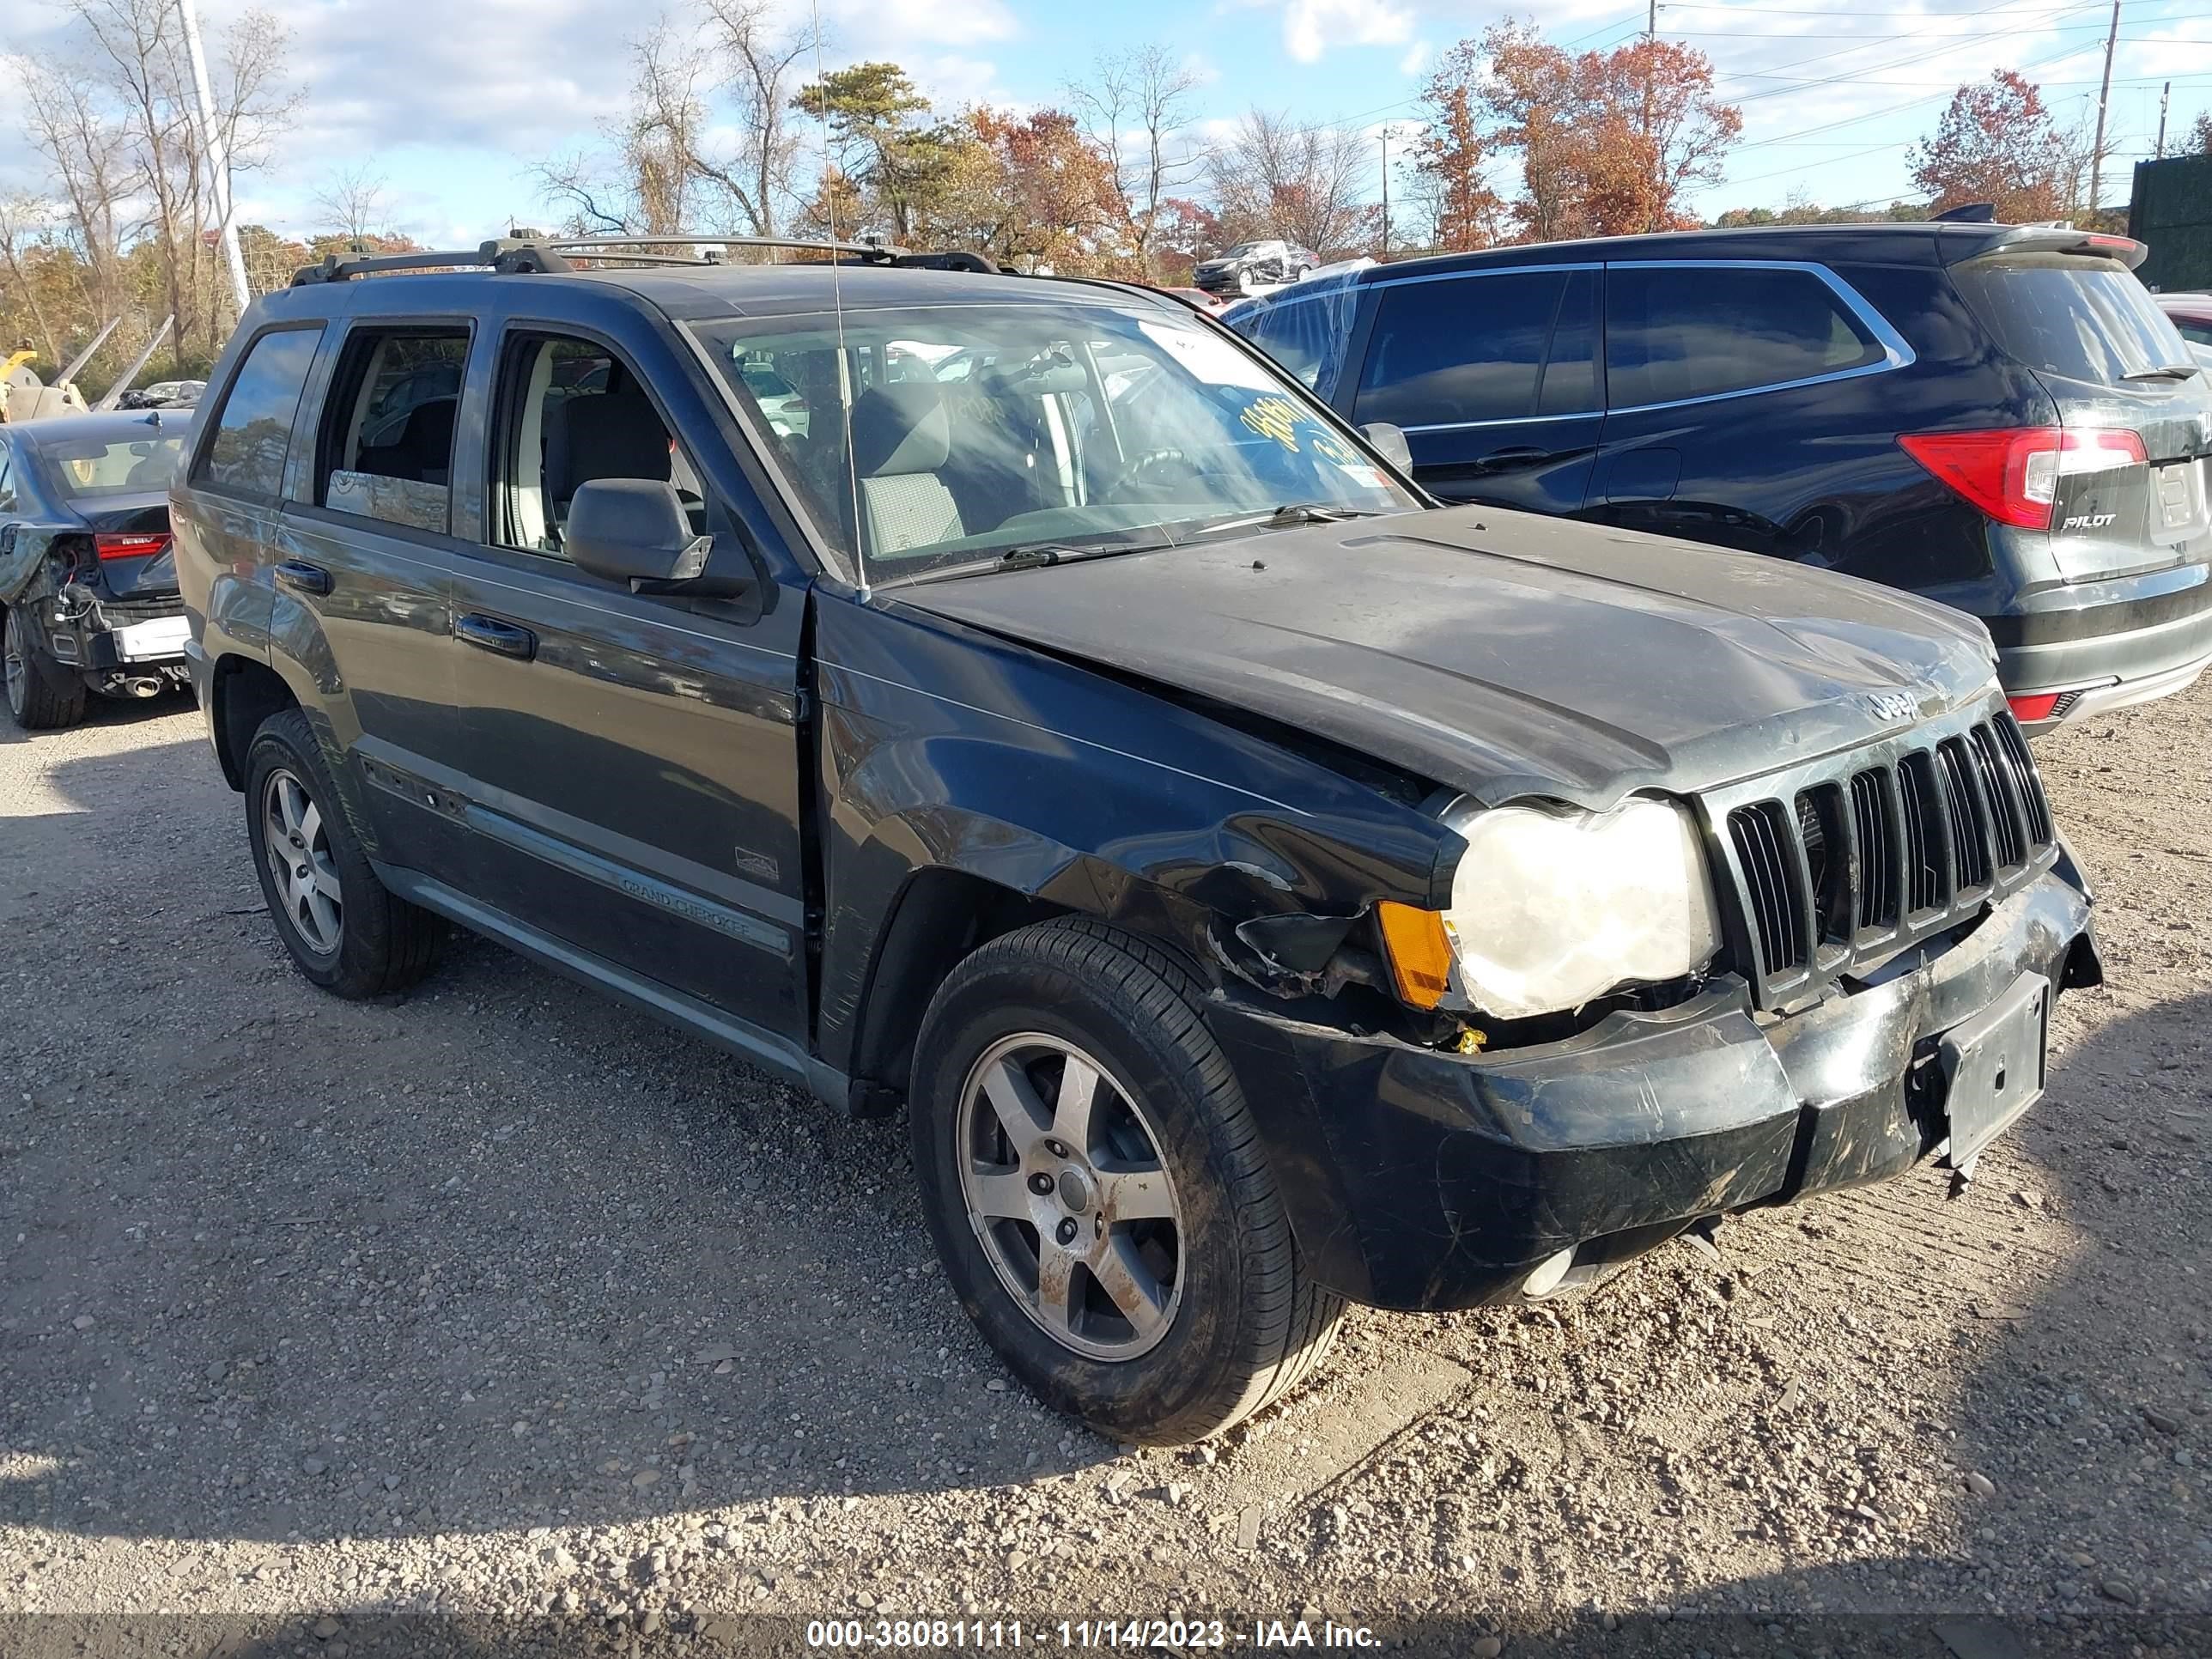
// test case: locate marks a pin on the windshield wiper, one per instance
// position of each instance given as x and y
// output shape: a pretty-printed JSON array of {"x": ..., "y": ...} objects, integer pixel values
[
  {"x": 1286, "y": 516},
  {"x": 2165, "y": 371},
  {"x": 1033, "y": 556}
]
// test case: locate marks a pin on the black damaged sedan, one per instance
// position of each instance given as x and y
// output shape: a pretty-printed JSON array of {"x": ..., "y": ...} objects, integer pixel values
[
  {"x": 1259, "y": 888},
  {"x": 88, "y": 584}
]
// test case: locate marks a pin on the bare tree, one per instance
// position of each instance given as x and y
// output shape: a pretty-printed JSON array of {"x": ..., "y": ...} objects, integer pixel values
[
  {"x": 1278, "y": 177},
  {"x": 352, "y": 199},
  {"x": 255, "y": 105},
  {"x": 640, "y": 183},
  {"x": 1136, "y": 106},
  {"x": 86, "y": 149},
  {"x": 760, "y": 61},
  {"x": 17, "y": 214},
  {"x": 137, "y": 39},
  {"x": 659, "y": 170}
]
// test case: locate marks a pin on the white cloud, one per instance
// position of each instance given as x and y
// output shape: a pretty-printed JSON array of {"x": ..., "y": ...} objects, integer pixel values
[
  {"x": 1311, "y": 28},
  {"x": 1416, "y": 58},
  {"x": 953, "y": 82},
  {"x": 884, "y": 28}
]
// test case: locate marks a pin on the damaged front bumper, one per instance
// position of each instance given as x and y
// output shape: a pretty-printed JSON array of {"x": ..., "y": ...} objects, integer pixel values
[{"x": 1416, "y": 1179}]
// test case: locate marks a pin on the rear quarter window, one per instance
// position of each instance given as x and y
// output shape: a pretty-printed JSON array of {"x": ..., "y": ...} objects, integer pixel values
[
  {"x": 1674, "y": 333},
  {"x": 1305, "y": 333},
  {"x": 2081, "y": 320},
  {"x": 252, "y": 429}
]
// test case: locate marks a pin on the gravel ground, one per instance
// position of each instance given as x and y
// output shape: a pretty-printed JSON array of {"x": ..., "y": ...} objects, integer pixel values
[{"x": 505, "y": 1314}]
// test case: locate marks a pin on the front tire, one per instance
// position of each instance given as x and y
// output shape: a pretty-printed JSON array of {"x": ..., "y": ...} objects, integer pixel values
[
  {"x": 343, "y": 930},
  {"x": 42, "y": 695},
  {"x": 1096, "y": 1188}
]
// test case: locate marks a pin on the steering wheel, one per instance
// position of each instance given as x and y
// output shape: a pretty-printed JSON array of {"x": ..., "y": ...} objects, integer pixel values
[{"x": 1155, "y": 472}]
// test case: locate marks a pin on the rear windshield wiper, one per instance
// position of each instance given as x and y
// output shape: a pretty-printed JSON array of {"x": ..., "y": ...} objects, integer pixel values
[{"x": 2165, "y": 371}]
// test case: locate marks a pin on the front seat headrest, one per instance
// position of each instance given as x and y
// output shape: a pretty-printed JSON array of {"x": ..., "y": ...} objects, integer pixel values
[
  {"x": 604, "y": 435},
  {"x": 900, "y": 428}
]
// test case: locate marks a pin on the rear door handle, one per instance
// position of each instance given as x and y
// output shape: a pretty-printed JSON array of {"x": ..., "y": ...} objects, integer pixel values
[
  {"x": 1518, "y": 455},
  {"x": 491, "y": 634},
  {"x": 303, "y": 578}
]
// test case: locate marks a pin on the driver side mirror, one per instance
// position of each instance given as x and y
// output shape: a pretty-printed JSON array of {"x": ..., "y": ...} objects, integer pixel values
[
  {"x": 1390, "y": 443},
  {"x": 636, "y": 531}
]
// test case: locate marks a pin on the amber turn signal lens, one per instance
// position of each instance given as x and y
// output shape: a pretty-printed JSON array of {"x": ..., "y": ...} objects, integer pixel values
[{"x": 1420, "y": 952}]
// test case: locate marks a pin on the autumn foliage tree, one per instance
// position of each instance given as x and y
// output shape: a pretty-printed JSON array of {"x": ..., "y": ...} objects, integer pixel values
[
  {"x": 1029, "y": 189},
  {"x": 1997, "y": 143},
  {"x": 1453, "y": 152},
  {"x": 1607, "y": 143}
]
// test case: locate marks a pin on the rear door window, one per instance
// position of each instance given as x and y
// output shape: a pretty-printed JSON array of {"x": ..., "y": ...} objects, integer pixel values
[
  {"x": 1677, "y": 332},
  {"x": 388, "y": 444},
  {"x": 2082, "y": 319},
  {"x": 252, "y": 430},
  {"x": 1463, "y": 349}
]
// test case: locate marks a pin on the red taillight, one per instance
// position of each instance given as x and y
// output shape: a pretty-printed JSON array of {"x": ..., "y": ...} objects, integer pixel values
[
  {"x": 2012, "y": 473},
  {"x": 116, "y": 546},
  {"x": 2040, "y": 706},
  {"x": 2100, "y": 243}
]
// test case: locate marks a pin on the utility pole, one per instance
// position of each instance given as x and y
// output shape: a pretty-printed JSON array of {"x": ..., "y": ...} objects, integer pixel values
[
  {"x": 1385, "y": 136},
  {"x": 2104, "y": 96},
  {"x": 2165, "y": 97},
  {"x": 1650, "y": 35},
  {"x": 218, "y": 165}
]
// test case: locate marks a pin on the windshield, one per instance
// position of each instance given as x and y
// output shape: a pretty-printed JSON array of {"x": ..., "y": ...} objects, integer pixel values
[
  {"x": 976, "y": 429},
  {"x": 83, "y": 468},
  {"x": 2086, "y": 319}
]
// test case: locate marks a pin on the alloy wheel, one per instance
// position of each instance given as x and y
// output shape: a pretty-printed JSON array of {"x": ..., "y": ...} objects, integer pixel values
[
  {"x": 1067, "y": 1194},
  {"x": 297, "y": 845},
  {"x": 17, "y": 669}
]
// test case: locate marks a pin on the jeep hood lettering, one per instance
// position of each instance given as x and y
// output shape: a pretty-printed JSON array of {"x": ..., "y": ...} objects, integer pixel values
[{"x": 1504, "y": 654}]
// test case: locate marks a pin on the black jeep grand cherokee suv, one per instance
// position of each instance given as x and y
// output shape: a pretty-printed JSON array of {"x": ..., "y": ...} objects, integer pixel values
[
  {"x": 1261, "y": 889},
  {"x": 1998, "y": 416}
]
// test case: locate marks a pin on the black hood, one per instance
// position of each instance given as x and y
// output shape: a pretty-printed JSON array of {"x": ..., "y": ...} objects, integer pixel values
[{"x": 1506, "y": 654}]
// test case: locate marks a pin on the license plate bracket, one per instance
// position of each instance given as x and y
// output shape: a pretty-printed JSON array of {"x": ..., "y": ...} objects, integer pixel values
[
  {"x": 1994, "y": 1066},
  {"x": 152, "y": 641}
]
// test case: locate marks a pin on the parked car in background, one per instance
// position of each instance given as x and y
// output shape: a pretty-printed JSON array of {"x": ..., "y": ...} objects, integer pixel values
[
  {"x": 88, "y": 579},
  {"x": 1995, "y": 416},
  {"x": 2191, "y": 314},
  {"x": 163, "y": 394},
  {"x": 1260, "y": 890},
  {"x": 1247, "y": 265}
]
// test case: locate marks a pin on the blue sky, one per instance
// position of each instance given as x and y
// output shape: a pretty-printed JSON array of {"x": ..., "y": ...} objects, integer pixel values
[{"x": 451, "y": 101}]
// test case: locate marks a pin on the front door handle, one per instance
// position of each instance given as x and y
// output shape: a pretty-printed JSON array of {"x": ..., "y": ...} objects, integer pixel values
[
  {"x": 303, "y": 578},
  {"x": 491, "y": 634}
]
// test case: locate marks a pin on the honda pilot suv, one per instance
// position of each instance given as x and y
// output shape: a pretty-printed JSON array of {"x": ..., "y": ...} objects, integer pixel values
[
  {"x": 1259, "y": 889},
  {"x": 1996, "y": 417}
]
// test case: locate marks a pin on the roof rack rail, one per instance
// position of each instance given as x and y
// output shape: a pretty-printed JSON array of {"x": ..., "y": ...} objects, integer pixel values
[
  {"x": 613, "y": 245},
  {"x": 545, "y": 255},
  {"x": 869, "y": 251},
  {"x": 503, "y": 253}
]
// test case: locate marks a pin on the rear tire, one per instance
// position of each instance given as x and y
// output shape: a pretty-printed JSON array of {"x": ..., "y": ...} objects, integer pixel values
[
  {"x": 344, "y": 931},
  {"x": 42, "y": 695},
  {"x": 1163, "y": 1186}
]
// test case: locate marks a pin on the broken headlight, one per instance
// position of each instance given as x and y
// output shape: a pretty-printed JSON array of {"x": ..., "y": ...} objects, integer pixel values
[{"x": 1552, "y": 907}]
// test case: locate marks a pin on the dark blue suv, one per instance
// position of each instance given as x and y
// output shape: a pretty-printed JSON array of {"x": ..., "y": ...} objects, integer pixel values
[{"x": 1996, "y": 417}]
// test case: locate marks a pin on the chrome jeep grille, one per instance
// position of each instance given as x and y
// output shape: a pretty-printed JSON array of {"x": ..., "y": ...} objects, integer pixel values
[{"x": 1839, "y": 865}]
